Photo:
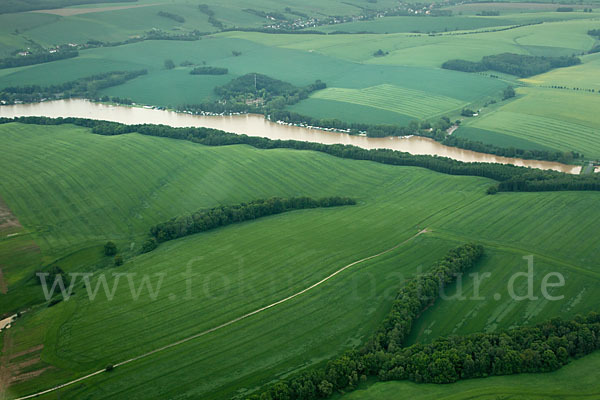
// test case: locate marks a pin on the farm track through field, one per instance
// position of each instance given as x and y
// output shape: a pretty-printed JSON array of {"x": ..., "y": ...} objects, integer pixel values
[{"x": 233, "y": 321}]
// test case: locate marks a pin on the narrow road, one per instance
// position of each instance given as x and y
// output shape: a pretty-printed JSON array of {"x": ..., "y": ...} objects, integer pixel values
[{"x": 233, "y": 321}]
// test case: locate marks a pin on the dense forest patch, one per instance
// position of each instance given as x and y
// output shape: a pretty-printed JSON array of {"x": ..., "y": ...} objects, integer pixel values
[{"x": 513, "y": 64}]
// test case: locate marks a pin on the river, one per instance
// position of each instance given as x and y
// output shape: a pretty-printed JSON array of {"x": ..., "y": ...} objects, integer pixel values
[{"x": 257, "y": 125}]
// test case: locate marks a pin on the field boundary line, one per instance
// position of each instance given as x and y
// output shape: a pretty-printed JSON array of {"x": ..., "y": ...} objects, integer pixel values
[
  {"x": 518, "y": 250},
  {"x": 231, "y": 322}
]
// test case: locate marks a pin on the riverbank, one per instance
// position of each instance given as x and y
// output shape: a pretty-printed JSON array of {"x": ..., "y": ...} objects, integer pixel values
[{"x": 256, "y": 125}]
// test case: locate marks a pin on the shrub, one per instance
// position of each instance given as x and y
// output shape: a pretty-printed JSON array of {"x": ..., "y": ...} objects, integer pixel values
[
  {"x": 492, "y": 189},
  {"x": 149, "y": 245},
  {"x": 169, "y": 64},
  {"x": 508, "y": 93},
  {"x": 110, "y": 249}
]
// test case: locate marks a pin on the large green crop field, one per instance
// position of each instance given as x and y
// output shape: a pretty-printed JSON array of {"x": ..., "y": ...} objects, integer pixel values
[
  {"x": 70, "y": 201},
  {"x": 539, "y": 116}
]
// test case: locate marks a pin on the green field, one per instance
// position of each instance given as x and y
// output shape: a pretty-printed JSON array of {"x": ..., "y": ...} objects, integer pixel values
[
  {"x": 577, "y": 77},
  {"x": 454, "y": 23},
  {"x": 526, "y": 8},
  {"x": 177, "y": 86},
  {"x": 571, "y": 382},
  {"x": 417, "y": 24},
  {"x": 416, "y": 103},
  {"x": 539, "y": 116},
  {"x": 357, "y": 80},
  {"x": 70, "y": 209},
  {"x": 553, "y": 38}
]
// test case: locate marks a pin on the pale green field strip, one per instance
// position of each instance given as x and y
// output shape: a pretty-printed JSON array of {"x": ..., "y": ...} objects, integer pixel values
[
  {"x": 416, "y": 103},
  {"x": 541, "y": 115},
  {"x": 581, "y": 76},
  {"x": 575, "y": 381},
  {"x": 552, "y": 103},
  {"x": 552, "y": 132}
]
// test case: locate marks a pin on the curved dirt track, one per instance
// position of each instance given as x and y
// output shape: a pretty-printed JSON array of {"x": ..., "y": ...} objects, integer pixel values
[{"x": 233, "y": 321}]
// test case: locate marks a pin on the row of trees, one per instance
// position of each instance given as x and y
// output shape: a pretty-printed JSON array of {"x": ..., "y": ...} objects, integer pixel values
[
  {"x": 276, "y": 30},
  {"x": 209, "y": 71},
  {"x": 435, "y": 131},
  {"x": 513, "y": 64},
  {"x": 542, "y": 348},
  {"x": 205, "y": 220},
  {"x": 158, "y": 34},
  {"x": 153, "y": 34},
  {"x": 83, "y": 87},
  {"x": 174, "y": 17},
  {"x": 346, "y": 371},
  {"x": 37, "y": 58},
  {"x": 531, "y": 179},
  {"x": 489, "y": 13},
  {"x": 204, "y": 8},
  {"x": 548, "y": 155}
]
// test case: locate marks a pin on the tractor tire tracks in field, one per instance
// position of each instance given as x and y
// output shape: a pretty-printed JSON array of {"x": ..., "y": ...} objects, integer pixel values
[{"x": 233, "y": 321}]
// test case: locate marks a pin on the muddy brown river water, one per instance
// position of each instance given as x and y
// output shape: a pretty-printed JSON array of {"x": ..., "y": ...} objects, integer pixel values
[{"x": 257, "y": 125}]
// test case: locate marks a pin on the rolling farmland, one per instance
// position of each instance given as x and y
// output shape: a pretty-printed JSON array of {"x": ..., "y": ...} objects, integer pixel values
[
  {"x": 394, "y": 202},
  {"x": 539, "y": 116},
  {"x": 230, "y": 311}
]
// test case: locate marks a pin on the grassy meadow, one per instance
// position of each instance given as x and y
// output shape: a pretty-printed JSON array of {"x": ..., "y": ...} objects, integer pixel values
[{"x": 69, "y": 209}]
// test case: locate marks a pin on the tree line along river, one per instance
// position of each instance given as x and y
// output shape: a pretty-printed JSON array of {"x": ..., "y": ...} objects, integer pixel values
[{"x": 257, "y": 125}]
